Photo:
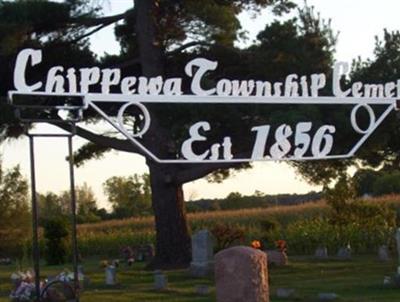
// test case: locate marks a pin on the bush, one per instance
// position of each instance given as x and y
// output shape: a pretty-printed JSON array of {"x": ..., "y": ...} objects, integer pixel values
[
  {"x": 226, "y": 236},
  {"x": 363, "y": 226},
  {"x": 387, "y": 184},
  {"x": 271, "y": 232},
  {"x": 56, "y": 236},
  {"x": 305, "y": 236},
  {"x": 13, "y": 243}
]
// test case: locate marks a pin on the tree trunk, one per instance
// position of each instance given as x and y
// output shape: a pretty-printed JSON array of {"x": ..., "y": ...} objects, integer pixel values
[
  {"x": 173, "y": 248},
  {"x": 173, "y": 245}
]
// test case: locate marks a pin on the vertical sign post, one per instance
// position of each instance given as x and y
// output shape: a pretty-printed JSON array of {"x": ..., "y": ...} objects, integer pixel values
[
  {"x": 73, "y": 211},
  {"x": 35, "y": 219}
]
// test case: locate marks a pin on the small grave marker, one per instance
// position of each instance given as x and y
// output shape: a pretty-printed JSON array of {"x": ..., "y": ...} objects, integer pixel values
[
  {"x": 111, "y": 275},
  {"x": 202, "y": 290},
  {"x": 202, "y": 254},
  {"x": 277, "y": 258},
  {"x": 327, "y": 297},
  {"x": 321, "y": 252},
  {"x": 160, "y": 280},
  {"x": 344, "y": 253},
  {"x": 285, "y": 292},
  {"x": 383, "y": 253}
]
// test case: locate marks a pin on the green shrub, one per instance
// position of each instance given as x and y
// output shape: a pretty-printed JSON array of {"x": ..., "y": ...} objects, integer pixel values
[
  {"x": 388, "y": 183},
  {"x": 270, "y": 225},
  {"x": 271, "y": 232},
  {"x": 227, "y": 235},
  {"x": 364, "y": 226},
  {"x": 374, "y": 223},
  {"x": 305, "y": 236},
  {"x": 56, "y": 236}
]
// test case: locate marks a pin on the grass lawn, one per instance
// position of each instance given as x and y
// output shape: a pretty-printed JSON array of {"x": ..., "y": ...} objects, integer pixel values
[{"x": 359, "y": 280}]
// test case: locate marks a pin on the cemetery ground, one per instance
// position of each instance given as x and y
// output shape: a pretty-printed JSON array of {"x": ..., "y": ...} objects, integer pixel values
[{"x": 360, "y": 279}]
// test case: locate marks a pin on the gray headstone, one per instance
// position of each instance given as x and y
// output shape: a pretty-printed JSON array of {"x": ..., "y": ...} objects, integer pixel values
[
  {"x": 202, "y": 290},
  {"x": 387, "y": 281},
  {"x": 383, "y": 253},
  {"x": 327, "y": 296},
  {"x": 285, "y": 292},
  {"x": 202, "y": 254},
  {"x": 160, "y": 280},
  {"x": 277, "y": 258},
  {"x": 344, "y": 253},
  {"x": 241, "y": 274},
  {"x": 396, "y": 281},
  {"x": 5, "y": 261},
  {"x": 321, "y": 253},
  {"x": 111, "y": 275}
]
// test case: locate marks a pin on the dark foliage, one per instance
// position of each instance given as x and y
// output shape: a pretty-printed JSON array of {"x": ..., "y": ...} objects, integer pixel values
[{"x": 56, "y": 241}]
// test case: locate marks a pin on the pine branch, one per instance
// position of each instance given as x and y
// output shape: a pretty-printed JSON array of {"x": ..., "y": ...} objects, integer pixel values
[
  {"x": 186, "y": 46},
  {"x": 76, "y": 40},
  {"x": 108, "y": 20}
]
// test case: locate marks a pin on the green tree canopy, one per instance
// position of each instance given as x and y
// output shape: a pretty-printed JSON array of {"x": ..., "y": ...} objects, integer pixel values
[
  {"x": 130, "y": 196},
  {"x": 51, "y": 205},
  {"x": 381, "y": 151},
  {"x": 14, "y": 212},
  {"x": 55, "y": 205}
]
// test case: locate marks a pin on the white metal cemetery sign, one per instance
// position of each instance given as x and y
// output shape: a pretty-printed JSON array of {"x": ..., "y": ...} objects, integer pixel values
[{"x": 303, "y": 140}]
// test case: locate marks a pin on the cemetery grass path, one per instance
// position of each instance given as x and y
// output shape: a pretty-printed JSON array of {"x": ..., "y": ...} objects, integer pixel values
[{"x": 358, "y": 280}]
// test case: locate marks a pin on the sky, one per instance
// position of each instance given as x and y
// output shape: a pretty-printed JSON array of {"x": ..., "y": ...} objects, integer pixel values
[{"x": 357, "y": 21}]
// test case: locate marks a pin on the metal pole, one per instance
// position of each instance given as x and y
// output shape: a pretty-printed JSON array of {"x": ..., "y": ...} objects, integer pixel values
[
  {"x": 35, "y": 218},
  {"x": 73, "y": 210}
]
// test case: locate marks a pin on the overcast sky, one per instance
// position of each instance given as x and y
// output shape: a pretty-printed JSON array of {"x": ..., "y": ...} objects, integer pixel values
[{"x": 358, "y": 22}]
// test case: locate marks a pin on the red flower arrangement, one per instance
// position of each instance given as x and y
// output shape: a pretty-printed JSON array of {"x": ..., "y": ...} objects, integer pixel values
[
  {"x": 256, "y": 244},
  {"x": 281, "y": 245}
]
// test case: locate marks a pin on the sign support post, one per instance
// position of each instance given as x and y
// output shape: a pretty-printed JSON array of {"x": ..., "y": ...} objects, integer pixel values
[
  {"x": 35, "y": 219},
  {"x": 35, "y": 214},
  {"x": 73, "y": 210}
]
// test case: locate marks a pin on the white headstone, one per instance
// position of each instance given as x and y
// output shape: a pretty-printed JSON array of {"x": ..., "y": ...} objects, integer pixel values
[
  {"x": 111, "y": 275},
  {"x": 202, "y": 254},
  {"x": 387, "y": 281},
  {"x": 383, "y": 253}
]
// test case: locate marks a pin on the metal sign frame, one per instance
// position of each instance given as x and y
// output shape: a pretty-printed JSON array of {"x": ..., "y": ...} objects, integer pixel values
[{"x": 140, "y": 101}]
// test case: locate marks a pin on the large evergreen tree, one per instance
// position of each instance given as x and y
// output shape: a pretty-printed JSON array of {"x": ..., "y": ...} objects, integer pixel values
[{"x": 381, "y": 152}]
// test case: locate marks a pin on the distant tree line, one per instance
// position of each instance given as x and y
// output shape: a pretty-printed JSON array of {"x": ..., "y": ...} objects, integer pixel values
[{"x": 236, "y": 200}]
